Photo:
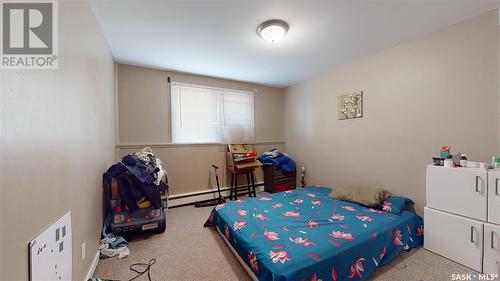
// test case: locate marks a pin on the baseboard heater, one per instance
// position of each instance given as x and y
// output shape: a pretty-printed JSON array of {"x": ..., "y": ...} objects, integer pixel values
[{"x": 189, "y": 198}]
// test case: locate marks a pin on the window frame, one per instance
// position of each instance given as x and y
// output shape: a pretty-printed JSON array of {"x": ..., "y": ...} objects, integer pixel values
[{"x": 173, "y": 84}]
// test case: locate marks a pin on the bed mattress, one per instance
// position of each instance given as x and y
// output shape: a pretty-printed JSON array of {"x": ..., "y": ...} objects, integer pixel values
[{"x": 304, "y": 235}]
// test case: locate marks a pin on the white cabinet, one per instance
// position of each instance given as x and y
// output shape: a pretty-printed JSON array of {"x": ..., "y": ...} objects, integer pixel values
[
  {"x": 455, "y": 237},
  {"x": 491, "y": 261},
  {"x": 494, "y": 196},
  {"x": 461, "y": 191},
  {"x": 462, "y": 216}
]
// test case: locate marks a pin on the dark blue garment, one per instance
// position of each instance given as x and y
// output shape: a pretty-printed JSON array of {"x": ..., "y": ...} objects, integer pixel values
[
  {"x": 266, "y": 159},
  {"x": 288, "y": 167},
  {"x": 131, "y": 190},
  {"x": 284, "y": 163},
  {"x": 281, "y": 160},
  {"x": 138, "y": 168},
  {"x": 113, "y": 171}
]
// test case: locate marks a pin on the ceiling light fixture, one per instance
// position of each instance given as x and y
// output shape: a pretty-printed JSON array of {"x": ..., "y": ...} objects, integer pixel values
[{"x": 273, "y": 30}]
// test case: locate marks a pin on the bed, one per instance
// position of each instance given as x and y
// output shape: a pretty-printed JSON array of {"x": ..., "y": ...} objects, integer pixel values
[{"x": 304, "y": 235}]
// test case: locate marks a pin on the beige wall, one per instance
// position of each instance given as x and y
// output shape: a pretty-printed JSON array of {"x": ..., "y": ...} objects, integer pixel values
[
  {"x": 144, "y": 119},
  {"x": 436, "y": 90},
  {"x": 57, "y": 137}
]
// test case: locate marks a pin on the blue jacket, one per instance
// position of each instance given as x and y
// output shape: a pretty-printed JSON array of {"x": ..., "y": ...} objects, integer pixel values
[{"x": 284, "y": 163}]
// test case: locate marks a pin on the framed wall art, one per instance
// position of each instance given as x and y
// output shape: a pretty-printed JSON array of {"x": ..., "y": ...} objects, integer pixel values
[{"x": 351, "y": 106}]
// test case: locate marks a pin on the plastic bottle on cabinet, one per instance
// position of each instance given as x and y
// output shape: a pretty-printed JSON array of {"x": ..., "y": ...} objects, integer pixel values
[{"x": 463, "y": 161}]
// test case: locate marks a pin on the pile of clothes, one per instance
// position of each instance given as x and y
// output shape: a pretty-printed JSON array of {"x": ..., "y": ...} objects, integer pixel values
[
  {"x": 136, "y": 182},
  {"x": 112, "y": 245},
  {"x": 279, "y": 160},
  {"x": 140, "y": 177}
]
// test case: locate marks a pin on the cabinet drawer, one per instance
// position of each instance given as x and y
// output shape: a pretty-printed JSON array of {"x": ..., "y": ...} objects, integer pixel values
[
  {"x": 461, "y": 191},
  {"x": 494, "y": 196},
  {"x": 282, "y": 187},
  {"x": 491, "y": 261},
  {"x": 457, "y": 238},
  {"x": 281, "y": 181},
  {"x": 284, "y": 177}
]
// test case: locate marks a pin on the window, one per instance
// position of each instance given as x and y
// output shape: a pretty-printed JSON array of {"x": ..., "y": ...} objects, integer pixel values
[{"x": 211, "y": 115}]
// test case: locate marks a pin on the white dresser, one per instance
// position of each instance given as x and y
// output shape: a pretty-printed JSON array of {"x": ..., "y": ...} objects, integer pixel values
[{"x": 462, "y": 216}]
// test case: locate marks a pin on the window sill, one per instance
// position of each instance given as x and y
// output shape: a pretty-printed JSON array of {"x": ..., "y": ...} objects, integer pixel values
[{"x": 167, "y": 145}]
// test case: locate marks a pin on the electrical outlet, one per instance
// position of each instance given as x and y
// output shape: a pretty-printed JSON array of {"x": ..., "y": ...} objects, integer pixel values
[{"x": 84, "y": 250}]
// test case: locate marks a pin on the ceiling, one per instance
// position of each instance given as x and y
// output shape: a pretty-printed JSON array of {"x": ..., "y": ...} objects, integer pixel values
[{"x": 218, "y": 38}]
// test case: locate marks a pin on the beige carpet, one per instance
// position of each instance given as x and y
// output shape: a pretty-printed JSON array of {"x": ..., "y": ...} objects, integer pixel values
[{"x": 188, "y": 251}]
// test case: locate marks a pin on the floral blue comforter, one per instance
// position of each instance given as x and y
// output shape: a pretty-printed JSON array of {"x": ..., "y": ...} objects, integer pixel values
[{"x": 304, "y": 235}]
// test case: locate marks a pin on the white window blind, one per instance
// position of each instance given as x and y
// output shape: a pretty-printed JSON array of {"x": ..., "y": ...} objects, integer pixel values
[{"x": 211, "y": 115}]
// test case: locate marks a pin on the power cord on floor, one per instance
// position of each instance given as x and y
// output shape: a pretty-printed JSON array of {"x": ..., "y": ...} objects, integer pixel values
[
  {"x": 147, "y": 267},
  {"x": 134, "y": 267}
]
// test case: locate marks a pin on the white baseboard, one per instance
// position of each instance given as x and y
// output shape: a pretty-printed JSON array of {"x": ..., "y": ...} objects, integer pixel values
[
  {"x": 189, "y": 198},
  {"x": 93, "y": 266}
]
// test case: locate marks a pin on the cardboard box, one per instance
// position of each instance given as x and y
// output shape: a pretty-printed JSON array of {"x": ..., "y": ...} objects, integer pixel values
[
  {"x": 241, "y": 157},
  {"x": 242, "y": 153},
  {"x": 240, "y": 148}
]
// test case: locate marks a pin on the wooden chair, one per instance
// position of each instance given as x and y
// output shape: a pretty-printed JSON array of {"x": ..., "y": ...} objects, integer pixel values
[{"x": 250, "y": 175}]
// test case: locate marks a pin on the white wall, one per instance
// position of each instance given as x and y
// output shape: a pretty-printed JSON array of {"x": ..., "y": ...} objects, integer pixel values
[
  {"x": 440, "y": 89},
  {"x": 57, "y": 137}
]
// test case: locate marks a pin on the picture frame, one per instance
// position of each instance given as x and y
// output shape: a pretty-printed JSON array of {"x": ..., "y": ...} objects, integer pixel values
[{"x": 350, "y": 106}]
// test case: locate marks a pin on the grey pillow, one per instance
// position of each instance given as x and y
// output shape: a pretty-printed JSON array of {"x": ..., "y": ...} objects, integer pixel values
[{"x": 368, "y": 196}]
